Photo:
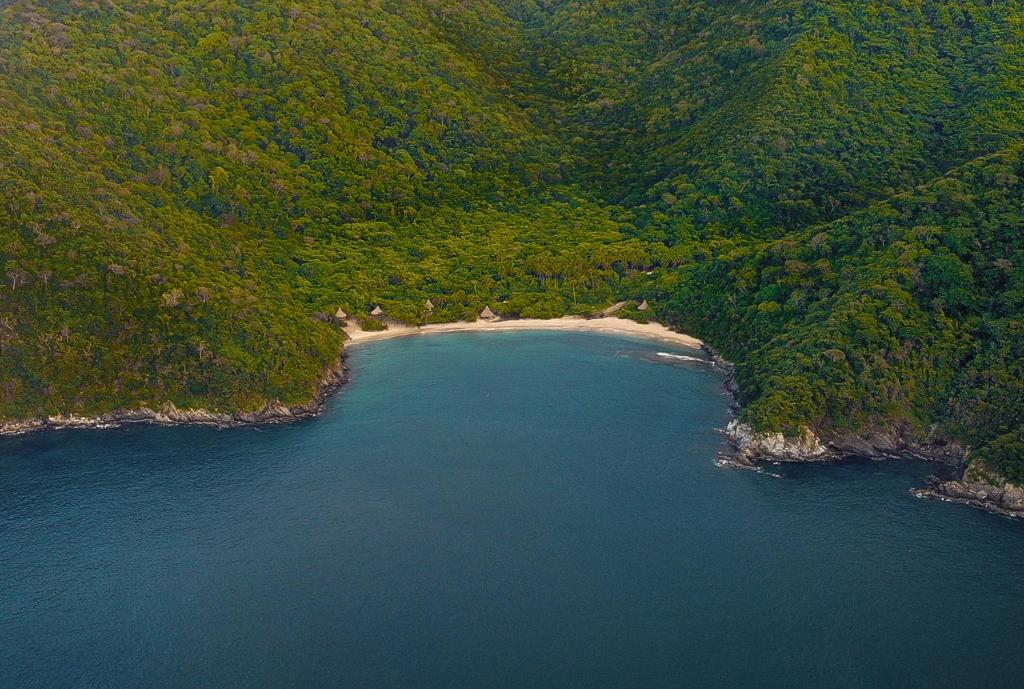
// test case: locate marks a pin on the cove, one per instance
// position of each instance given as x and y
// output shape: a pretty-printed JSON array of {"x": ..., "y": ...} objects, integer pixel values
[{"x": 491, "y": 510}]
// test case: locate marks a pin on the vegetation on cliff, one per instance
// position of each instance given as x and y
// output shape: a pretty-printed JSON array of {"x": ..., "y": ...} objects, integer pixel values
[
  {"x": 905, "y": 314},
  {"x": 830, "y": 192}
]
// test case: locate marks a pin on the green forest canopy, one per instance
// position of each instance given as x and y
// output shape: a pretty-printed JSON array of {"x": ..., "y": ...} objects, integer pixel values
[{"x": 830, "y": 192}]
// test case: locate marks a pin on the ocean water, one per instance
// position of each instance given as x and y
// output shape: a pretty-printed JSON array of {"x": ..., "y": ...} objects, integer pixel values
[{"x": 492, "y": 510}]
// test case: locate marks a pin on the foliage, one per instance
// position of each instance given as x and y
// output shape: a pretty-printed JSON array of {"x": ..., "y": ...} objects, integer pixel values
[
  {"x": 829, "y": 191},
  {"x": 910, "y": 312},
  {"x": 189, "y": 185}
]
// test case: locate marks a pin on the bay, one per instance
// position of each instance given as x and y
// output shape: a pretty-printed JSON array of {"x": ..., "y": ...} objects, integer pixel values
[{"x": 492, "y": 510}]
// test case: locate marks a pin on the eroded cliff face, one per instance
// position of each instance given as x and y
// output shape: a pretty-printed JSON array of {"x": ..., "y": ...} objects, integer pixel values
[
  {"x": 815, "y": 446},
  {"x": 980, "y": 487},
  {"x": 752, "y": 447}
]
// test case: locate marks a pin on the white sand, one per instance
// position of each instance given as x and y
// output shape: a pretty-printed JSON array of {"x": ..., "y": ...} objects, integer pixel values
[{"x": 620, "y": 326}]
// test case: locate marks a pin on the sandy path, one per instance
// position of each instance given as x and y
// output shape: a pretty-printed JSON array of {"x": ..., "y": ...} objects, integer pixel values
[{"x": 620, "y": 326}]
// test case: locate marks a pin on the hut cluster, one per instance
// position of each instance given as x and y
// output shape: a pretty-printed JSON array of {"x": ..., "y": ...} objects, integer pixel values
[
  {"x": 486, "y": 315},
  {"x": 377, "y": 311}
]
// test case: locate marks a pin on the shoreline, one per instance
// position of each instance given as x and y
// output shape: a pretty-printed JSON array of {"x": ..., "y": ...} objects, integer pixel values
[
  {"x": 608, "y": 325},
  {"x": 749, "y": 450},
  {"x": 752, "y": 450},
  {"x": 943, "y": 492},
  {"x": 334, "y": 377}
]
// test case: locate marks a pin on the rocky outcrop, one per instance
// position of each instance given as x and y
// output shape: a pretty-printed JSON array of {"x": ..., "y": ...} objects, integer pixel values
[
  {"x": 899, "y": 441},
  {"x": 812, "y": 446},
  {"x": 817, "y": 446},
  {"x": 979, "y": 487},
  {"x": 170, "y": 415},
  {"x": 752, "y": 447},
  {"x": 728, "y": 370}
]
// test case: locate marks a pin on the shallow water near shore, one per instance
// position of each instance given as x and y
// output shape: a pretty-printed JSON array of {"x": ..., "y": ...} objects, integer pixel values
[{"x": 531, "y": 509}]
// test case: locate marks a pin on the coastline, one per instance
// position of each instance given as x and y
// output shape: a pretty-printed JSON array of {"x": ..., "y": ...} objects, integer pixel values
[
  {"x": 334, "y": 377},
  {"x": 750, "y": 450},
  {"x": 169, "y": 415},
  {"x": 986, "y": 491},
  {"x": 611, "y": 325},
  {"x": 1002, "y": 501}
]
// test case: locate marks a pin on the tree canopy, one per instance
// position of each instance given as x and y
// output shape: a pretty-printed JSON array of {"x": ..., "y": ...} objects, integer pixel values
[{"x": 828, "y": 191}]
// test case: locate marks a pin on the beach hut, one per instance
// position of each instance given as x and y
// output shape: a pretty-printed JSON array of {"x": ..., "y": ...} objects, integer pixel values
[
  {"x": 377, "y": 311},
  {"x": 430, "y": 305},
  {"x": 644, "y": 306},
  {"x": 340, "y": 314},
  {"x": 487, "y": 314}
]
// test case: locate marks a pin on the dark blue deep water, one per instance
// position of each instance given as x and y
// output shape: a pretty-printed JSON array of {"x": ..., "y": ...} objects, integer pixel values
[{"x": 501, "y": 510}]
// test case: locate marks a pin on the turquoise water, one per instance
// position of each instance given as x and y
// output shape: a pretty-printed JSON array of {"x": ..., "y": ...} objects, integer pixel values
[{"x": 497, "y": 510}]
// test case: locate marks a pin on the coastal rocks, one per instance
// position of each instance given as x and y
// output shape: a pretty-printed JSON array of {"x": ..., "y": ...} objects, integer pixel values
[
  {"x": 811, "y": 446},
  {"x": 728, "y": 370},
  {"x": 979, "y": 487},
  {"x": 752, "y": 446},
  {"x": 900, "y": 442},
  {"x": 167, "y": 415},
  {"x": 19, "y": 427},
  {"x": 170, "y": 415},
  {"x": 867, "y": 444}
]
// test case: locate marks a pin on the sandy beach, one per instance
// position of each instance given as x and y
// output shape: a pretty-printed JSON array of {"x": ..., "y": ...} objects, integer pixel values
[{"x": 621, "y": 326}]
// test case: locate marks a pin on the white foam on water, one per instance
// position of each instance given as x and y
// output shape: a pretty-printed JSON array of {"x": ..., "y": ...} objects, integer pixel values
[{"x": 684, "y": 357}]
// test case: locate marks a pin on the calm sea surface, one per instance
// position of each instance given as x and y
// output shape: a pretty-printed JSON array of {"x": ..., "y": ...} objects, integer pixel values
[{"x": 492, "y": 510}]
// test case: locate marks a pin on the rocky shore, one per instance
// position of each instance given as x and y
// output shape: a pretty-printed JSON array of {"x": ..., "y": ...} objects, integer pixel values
[
  {"x": 809, "y": 446},
  {"x": 276, "y": 412},
  {"x": 978, "y": 488},
  {"x": 983, "y": 489},
  {"x": 170, "y": 415},
  {"x": 728, "y": 370}
]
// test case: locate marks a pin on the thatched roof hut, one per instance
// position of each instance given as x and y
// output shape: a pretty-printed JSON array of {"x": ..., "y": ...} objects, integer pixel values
[
  {"x": 487, "y": 314},
  {"x": 644, "y": 306},
  {"x": 430, "y": 305},
  {"x": 377, "y": 311},
  {"x": 340, "y": 314}
]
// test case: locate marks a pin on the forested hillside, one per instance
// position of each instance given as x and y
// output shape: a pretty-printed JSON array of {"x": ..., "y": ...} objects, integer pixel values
[
  {"x": 756, "y": 116},
  {"x": 187, "y": 184},
  {"x": 827, "y": 191},
  {"x": 903, "y": 315}
]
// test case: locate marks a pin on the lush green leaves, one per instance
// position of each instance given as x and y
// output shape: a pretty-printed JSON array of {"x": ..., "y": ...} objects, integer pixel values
[{"x": 190, "y": 189}]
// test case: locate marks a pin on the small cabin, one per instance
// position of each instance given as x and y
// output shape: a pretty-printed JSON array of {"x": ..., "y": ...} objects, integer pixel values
[
  {"x": 340, "y": 314},
  {"x": 377, "y": 311},
  {"x": 644, "y": 306},
  {"x": 487, "y": 314},
  {"x": 429, "y": 305}
]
